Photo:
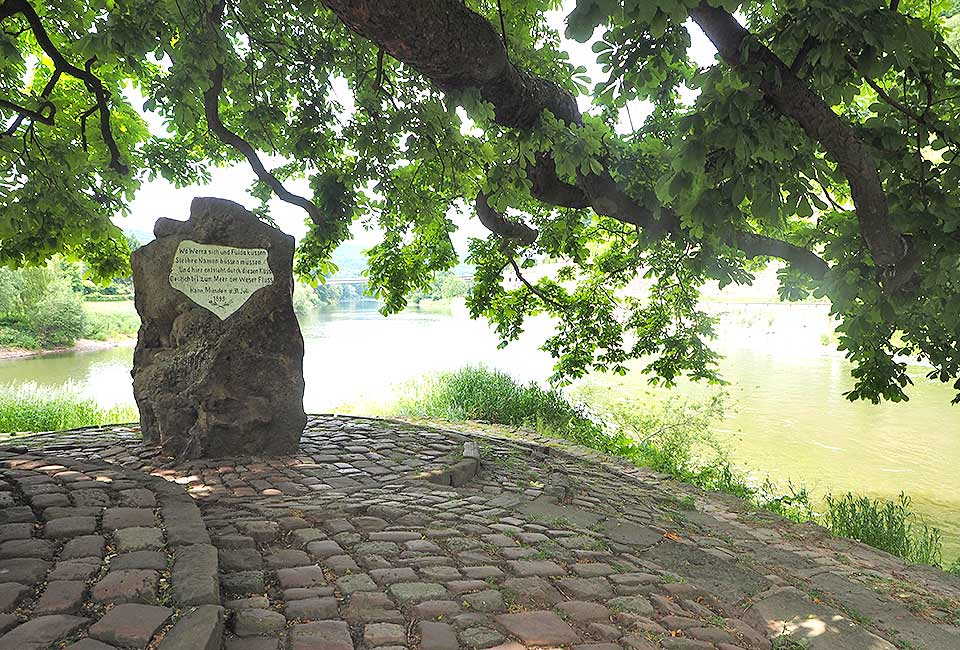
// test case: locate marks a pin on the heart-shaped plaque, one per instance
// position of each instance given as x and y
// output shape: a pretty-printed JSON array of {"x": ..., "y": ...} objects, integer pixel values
[{"x": 219, "y": 278}]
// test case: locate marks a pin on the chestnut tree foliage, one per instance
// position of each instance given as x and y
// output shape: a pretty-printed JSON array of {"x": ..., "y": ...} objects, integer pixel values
[{"x": 824, "y": 139}]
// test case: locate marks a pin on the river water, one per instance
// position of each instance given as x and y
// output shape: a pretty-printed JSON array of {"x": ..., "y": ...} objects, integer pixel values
[{"x": 787, "y": 417}]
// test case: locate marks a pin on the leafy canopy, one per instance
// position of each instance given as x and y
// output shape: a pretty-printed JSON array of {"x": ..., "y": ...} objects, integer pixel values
[{"x": 822, "y": 128}]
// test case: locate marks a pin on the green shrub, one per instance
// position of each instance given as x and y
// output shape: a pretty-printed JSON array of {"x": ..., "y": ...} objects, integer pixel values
[
  {"x": 884, "y": 524},
  {"x": 955, "y": 568},
  {"x": 16, "y": 336},
  {"x": 29, "y": 407},
  {"x": 479, "y": 393},
  {"x": 58, "y": 319}
]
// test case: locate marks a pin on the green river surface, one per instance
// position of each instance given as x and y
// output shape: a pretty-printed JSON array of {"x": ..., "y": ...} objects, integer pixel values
[{"x": 786, "y": 417}]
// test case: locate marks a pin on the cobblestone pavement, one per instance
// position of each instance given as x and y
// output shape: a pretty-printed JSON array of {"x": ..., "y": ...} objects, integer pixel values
[{"x": 389, "y": 535}]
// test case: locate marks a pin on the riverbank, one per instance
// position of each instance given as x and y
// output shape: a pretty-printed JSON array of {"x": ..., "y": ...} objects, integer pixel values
[
  {"x": 97, "y": 326},
  {"x": 82, "y": 345}
]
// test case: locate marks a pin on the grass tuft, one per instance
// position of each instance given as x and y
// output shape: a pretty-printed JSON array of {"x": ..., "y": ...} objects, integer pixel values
[
  {"x": 887, "y": 525},
  {"x": 29, "y": 407}
]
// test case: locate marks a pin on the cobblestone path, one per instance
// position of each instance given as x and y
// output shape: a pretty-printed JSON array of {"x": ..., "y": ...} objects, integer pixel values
[{"x": 388, "y": 535}]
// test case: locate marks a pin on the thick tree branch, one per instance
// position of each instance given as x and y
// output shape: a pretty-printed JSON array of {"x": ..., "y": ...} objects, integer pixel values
[
  {"x": 791, "y": 97},
  {"x": 211, "y": 109},
  {"x": 44, "y": 114},
  {"x": 61, "y": 65},
  {"x": 456, "y": 48},
  {"x": 496, "y": 223}
]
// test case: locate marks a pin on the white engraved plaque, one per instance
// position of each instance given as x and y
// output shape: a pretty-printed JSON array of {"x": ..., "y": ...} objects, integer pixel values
[{"x": 219, "y": 278}]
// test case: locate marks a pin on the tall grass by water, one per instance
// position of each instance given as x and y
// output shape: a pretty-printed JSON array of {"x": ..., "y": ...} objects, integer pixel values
[
  {"x": 884, "y": 524},
  {"x": 31, "y": 407},
  {"x": 674, "y": 437}
]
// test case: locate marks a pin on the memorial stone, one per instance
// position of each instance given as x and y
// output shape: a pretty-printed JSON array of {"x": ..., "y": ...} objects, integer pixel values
[{"x": 218, "y": 367}]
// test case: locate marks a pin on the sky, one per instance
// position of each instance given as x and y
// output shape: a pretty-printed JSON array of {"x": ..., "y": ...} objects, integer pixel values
[{"x": 159, "y": 198}]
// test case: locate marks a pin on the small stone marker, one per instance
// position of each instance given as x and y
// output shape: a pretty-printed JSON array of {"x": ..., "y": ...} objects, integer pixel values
[{"x": 218, "y": 367}]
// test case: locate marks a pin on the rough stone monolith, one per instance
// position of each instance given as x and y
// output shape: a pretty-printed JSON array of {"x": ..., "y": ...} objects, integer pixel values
[{"x": 218, "y": 367}]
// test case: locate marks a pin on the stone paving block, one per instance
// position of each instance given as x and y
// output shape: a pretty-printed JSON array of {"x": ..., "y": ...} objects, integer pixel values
[
  {"x": 15, "y": 531},
  {"x": 488, "y": 600},
  {"x": 299, "y": 593},
  {"x": 581, "y": 611},
  {"x": 33, "y": 548},
  {"x": 138, "y": 498},
  {"x": 67, "y": 527},
  {"x": 335, "y": 526},
  {"x": 88, "y": 498},
  {"x": 538, "y": 628},
  {"x": 130, "y": 625},
  {"x": 481, "y": 636},
  {"x": 243, "y": 582},
  {"x": 24, "y": 571},
  {"x": 386, "y": 549},
  {"x": 83, "y": 546},
  {"x": 303, "y": 536},
  {"x": 138, "y": 538},
  {"x": 262, "y": 532},
  {"x": 194, "y": 576},
  {"x": 585, "y": 588},
  {"x": 385, "y": 577},
  {"x": 525, "y": 568},
  {"x": 80, "y": 569},
  {"x": 121, "y": 517},
  {"x": 324, "y": 548},
  {"x": 533, "y": 592},
  {"x": 234, "y": 542},
  {"x": 251, "y": 643},
  {"x": 692, "y": 644},
  {"x": 89, "y": 644},
  {"x": 129, "y": 586},
  {"x": 286, "y": 558},
  {"x": 41, "y": 632},
  {"x": 633, "y": 604},
  {"x": 139, "y": 560},
  {"x": 304, "y": 576},
  {"x": 592, "y": 569},
  {"x": 411, "y": 593},
  {"x": 440, "y": 573},
  {"x": 57, "y": 512},
  {"x": 258, "y": 622},
  {"x": 369, "y": 607},
  {"x": 254, "y": 602},
  {"x": 17, "y": 515},
  {"x": 240, "y": 559},
  {"x": 341, "y": 564},
  {"x": 438, "y": 636},
  {"x": 312, "y": 609},
  {"x": 12, "y": 594},
  {"x": 329, "y": 635},
  {"x": 376, "y": 635},
  {"x": 60, "y": 597},
  {"x": 199, "y": 629},
  {"x": 789, "y": 612},
  {"x": 41, "y": 501},
  {"x": 355, "y": 582},
  {"x": 482, "y": 572}
]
